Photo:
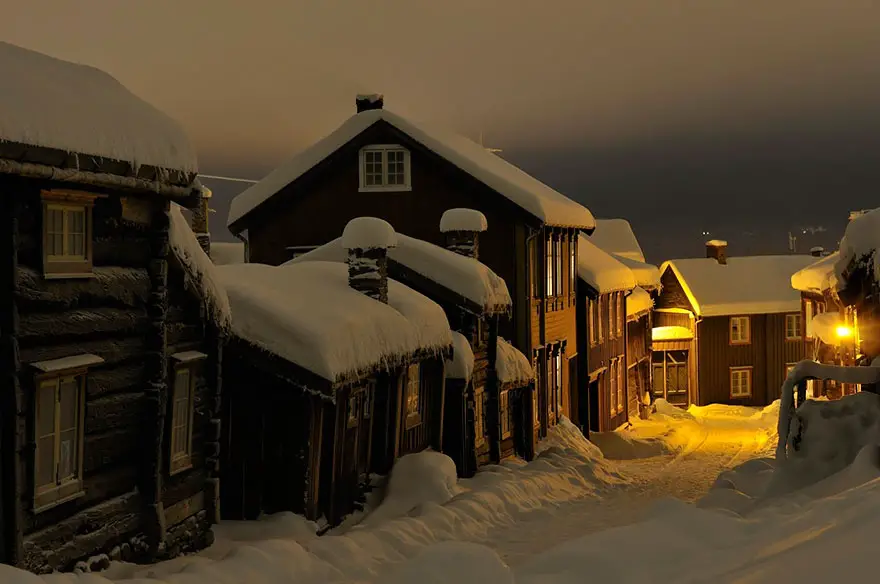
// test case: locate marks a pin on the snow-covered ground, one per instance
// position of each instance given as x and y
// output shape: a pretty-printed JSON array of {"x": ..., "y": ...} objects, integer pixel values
[{"x": 652, "y": 508}]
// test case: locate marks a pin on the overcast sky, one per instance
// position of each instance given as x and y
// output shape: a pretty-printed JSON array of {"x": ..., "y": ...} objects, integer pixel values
[{"x": 744, "y": 117}]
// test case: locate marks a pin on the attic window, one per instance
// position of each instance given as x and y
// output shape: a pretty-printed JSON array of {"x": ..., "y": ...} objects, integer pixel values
[
  {"x": 67, "y": 234},
  {"x": 384, "y": 168}
]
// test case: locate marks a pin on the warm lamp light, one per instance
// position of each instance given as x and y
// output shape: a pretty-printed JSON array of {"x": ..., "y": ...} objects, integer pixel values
[{"x": 843, "y": 331}]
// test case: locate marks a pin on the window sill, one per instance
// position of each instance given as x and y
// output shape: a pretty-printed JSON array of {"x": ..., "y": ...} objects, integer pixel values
[
  {"x": 51, "y": 505},
  {"x": 793, "y": 339},
  {"x": 507, "y": 435},
  {"x": 388, "y": 189},
  {"x": 178, "y": 467},
  {"x": 741, "y": 396},
  {"x": 68, "y": 275},
  {"x": 413, "y": 420},
  {"x": 740, "y": 342}
]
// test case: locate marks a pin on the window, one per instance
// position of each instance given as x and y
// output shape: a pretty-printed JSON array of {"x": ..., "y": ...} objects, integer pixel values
[
  {"x": 551, "y": 281},
  {"x": 385, "y": 168},
  {"x": 479, "y": 417},
  {"x": 612, "y": 393},
  {"x": 740, "y": 382},
  {"x": 792, "y": 326},
  {"x": 506, "y": 415},
  {"x": 808, "y": 318},
  {"x": 536, "y": 418},
  {"x": 58, "y": 426},
  {"x": 67, "y": 245},
  {"x": 612, "y": 315},
  {"x": 594, "y": 322},
  {"x": 182, "y": 399},
  {"x": 557, "y": 364},
  {"x": 560, "y": 270},
  {"x": 739, "y": 330},
  {"x": 621, "y": 385},
  {"x": 601, "y": 303},
  {"x": 572, "y": 268},
  {"x": 413, "y": 398},
  {"x": 352, "y": 414}
]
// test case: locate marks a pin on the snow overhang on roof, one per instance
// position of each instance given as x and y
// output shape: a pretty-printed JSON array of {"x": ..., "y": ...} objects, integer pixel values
[
  {"x": 816, "y": 277},
  {"x": 638, "y": 302},
  {"x": 600, "y": 270},
  {"x": 541, "y": 201},
  {"x": 464, "y": 276},
  {"x": 616, "y": 236},
  {"x": 511, "y": 365},
  {"x": 86, "y": 113}
]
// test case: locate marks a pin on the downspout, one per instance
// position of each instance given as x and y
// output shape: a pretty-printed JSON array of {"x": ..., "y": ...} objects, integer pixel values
[
  {"x": 247, "y": 246},
  {"x": 626, "y": 296},
  {"x": 541, "y": 377}
]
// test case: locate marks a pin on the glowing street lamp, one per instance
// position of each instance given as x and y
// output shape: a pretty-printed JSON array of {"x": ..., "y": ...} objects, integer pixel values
[{"x": 843, "y": 332}]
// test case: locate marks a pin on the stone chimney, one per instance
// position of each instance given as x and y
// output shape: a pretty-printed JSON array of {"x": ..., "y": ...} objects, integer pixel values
[
  {"x": 817, "y": 252},
  {"x": 462, "y": 228},
  {"x": 367, "y": 240},
  {"x": 717, "y": 250},
  {"x": 200, "y": 218},
  {"x": 372, "y": 101}
]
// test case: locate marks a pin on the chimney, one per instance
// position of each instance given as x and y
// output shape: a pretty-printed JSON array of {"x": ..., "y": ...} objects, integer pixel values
[
  {"x": 367, "y": 240},
  {"x": 462, "y": 228},
  {"x": 717, "y": 250},
  {"x": 817, "y": 252},
  {"x": 371, "y": 101},
  {"x": 200, "y": 217}
]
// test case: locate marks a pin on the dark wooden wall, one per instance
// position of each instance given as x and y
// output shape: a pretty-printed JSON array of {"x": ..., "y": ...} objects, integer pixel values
[
  {"x": 638, "y": 359},
  {"x": 672, "y": 295},
  {"x": 768, "y": 353},
  {"x": 663, "y": 318},
  {"x": 428, "y": 432}
]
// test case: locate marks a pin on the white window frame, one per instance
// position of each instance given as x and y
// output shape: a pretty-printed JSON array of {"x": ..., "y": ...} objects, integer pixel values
[
  {"x": 181, "y": 418},
  {"x": 740, "y": 338},
  {"x": 795, "y": 318},
  {"x": 384, "y": 149},
  {"x": 479, "y": 418},
  {"x": 66, "y": 264},
  {"x": 506, "y": 426},
  {"x": 69, "y": 487},
  {"x": 600, "y": 319},
  {"x": 412, "y": 399},
  {"x": 738, "y": 377}
]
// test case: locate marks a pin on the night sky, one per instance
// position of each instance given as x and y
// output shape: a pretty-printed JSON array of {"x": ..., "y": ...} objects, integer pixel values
[{"x": 747, "y": 119}]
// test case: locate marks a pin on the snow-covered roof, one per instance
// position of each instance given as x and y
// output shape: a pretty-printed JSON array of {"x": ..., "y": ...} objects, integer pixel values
[
  {"x": 527, "y": 192},
  {"x": 646, "y": 275},
  {"x": 199, "y": 268},
  {"x": 671, "y": 333},
  {"x": 616, "y": 237},
  {"x": 79, "y": 109},
  {"x": 600, "y": 270},
  {"x": 639, "y": 301},
  {"x": 744, "y": 285},
  {"x": 858, "y": 247},
  {"x": 461, "y": 366},
  {"x": 511, "y": 365},
  {"x": 817, "y": 277},
  {"x": 465, "y": 276},
  {"x": 223, "y": 253},
  {"x": 309, "y": 315},
  {"x": 463, "y": 220}
]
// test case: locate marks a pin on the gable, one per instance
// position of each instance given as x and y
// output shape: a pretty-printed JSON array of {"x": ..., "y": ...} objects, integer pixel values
[{"x": 672, "y": 292}]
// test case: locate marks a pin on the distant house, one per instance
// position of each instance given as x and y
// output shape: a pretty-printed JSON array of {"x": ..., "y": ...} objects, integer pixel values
[
  {"x": 831, "y": 331},
  {"x": 334, "y": 371},
  {"x": 380, "y": 164},
  {"x": 726, "y": 329},
  {"x": 110, "y": 328},
  {"x": 487, "y": 417}
]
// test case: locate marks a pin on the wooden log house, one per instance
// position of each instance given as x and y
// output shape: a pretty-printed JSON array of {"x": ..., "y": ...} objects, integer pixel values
[
  {"x": 483, "y": 422},
  {"x": 831, "y": 328},
  {"x": 334, "y": 372},
  {"x": 727, "y": 330},
  {"x": 110, "y": 333},
  {"x": 380, "y": 164},
  {"x": 603, "y": 284}
]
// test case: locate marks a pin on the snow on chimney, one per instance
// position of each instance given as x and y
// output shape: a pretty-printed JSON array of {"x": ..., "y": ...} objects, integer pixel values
[
  {"x": 717, "y": 250},
  {"x": 817, "y": 252},
  {"x": 371, "y": 101},
  {"x": 462, "y": 228},
  {"x": 367, "y": 240}
]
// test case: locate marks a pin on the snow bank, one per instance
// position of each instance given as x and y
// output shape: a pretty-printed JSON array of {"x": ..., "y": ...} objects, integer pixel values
[
  {"x": 465, "y": 276},
  {"x": 308, "y": 314},
  {"x": 200, "y": 271},
  {"x": 622, "y": 446},
  {"x": 858, "y": 248},
  {"x": 600, "y": 270},
  {"x": 817, "y": 277},
  {"x": 462, "y": 563},
  {"x": 79, "y": 109},
  {"x": 463, "y": 220},
  {"x": 461, "y": 366},
  {"x": 522, "y": 189},
  {"x": 824, "y": 327},
  {"x": 616, "y": 236},
  {"x": 639, "y": 301},
  {"x": 368, "y": 233},
  {"x": 511, "y": 365},
  {"x": 744, "y": 285},
  {"x": 224, "y": 253},
  {"x": 671, "y": 333}
]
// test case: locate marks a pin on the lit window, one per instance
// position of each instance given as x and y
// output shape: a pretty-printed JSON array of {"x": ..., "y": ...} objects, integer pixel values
[
  {"x": 792, "y": 326},
  {"x": 594, "y": 321},
  {"x": 612, "y": 393},
  {"x": 479, "y": 418},
  {"x": 413, "y": 397},
  {"x": 506, "y": 415},
  {"x": 601, "y": 309},
  {"x": 739, "y": 330},
  {"x": 740, "y": 382},
  {"x": 560, "y": 270},
  {"x": 551, "y": 282},
  {"x": 385, "y": 168},
  {"x": 612, "y": 315},
  {"x": 58, "y": 428},
  {"x": 67, "y": 246},
  {"x": 182, "y": 418}
]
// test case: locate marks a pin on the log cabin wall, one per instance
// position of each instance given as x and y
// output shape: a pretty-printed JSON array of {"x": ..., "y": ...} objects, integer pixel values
[
  {"x": 106, "y": 316},
  {"x": 418, "y": 435}
]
